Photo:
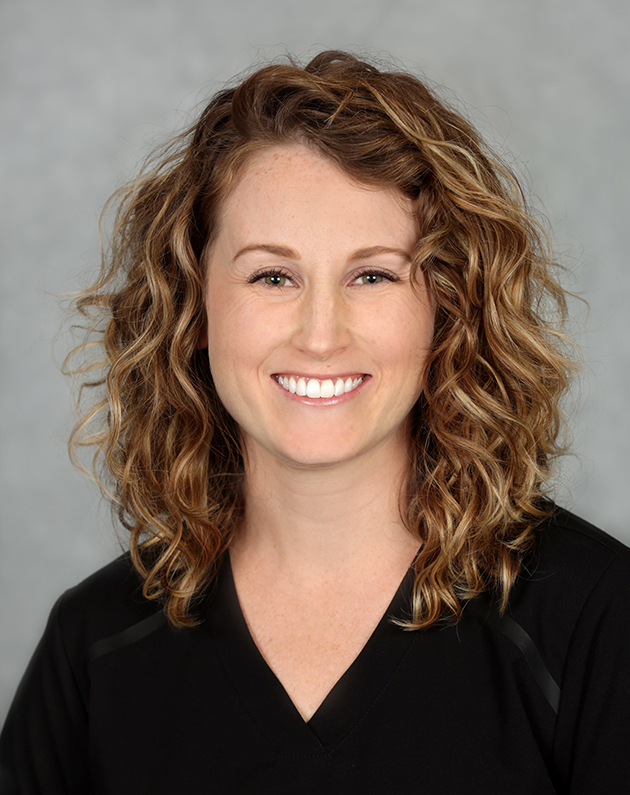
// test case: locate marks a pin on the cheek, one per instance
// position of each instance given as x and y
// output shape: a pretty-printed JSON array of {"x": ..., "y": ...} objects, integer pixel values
[
  {"x": 223, "y": 331},
  {"x": 406, "y": 335},
  {"x": 240, "y": 336},
  {"x": 421, "y": 323}
]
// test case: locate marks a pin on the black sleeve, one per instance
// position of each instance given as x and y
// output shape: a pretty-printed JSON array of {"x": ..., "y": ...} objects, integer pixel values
[
  {"x": 43, "y": 746},
  {"x": 596, "y": 691}
]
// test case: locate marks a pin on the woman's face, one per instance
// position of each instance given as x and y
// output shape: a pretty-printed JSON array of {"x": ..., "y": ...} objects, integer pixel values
[{"x": 317, "y": 339}]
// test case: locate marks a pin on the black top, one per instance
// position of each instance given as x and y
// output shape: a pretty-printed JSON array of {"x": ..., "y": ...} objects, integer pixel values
[{"x": 115, "y": 701}]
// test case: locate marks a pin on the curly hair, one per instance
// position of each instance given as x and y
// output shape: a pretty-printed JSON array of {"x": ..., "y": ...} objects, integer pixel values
[{"x": 488, "y": 424}]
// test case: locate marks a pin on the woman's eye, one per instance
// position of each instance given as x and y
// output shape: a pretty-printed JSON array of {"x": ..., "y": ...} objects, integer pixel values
[
  {"x": 272, "y": 279},
  {"x": 275, "y": 280},
  {"x": 373, "y": 278}
]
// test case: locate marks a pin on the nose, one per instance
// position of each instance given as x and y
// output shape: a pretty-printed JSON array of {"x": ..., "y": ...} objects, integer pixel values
[{"x": 322, "y": 325}]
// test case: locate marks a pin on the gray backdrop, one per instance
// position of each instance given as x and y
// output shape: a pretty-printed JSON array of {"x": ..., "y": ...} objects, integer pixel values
[{"x": 87, "y": 85}]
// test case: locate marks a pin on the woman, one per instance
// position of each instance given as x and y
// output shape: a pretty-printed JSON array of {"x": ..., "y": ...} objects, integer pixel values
[{"x": 331, "y": 390}]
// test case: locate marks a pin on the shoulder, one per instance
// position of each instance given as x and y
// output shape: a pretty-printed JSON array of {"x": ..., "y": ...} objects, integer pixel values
[
  {"x": 575, "y": 604},
  {"x": 105, "y": 604},
  {"x": 575, "y": 557},
  {"x": 576, "y": 584},
  {"x": 572, "y": 531}
]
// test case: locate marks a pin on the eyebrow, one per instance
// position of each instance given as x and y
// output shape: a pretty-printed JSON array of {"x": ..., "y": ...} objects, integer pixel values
[
  {"x": 280, "y": 251},
  {"x": 373, "y": 251},
  {"x": 289, "y": 253}
]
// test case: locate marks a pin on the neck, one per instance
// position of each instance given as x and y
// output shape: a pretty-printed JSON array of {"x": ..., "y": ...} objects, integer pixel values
[{"x": 305, "y": 522}]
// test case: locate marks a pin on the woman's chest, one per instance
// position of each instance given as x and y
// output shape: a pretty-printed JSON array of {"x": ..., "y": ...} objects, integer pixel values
[
  {"x": 435, "y": 712},
  {"x": 309, "y": 645}
]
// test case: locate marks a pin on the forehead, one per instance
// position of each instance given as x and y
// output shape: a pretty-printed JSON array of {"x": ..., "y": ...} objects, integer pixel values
[
  {"x": 294, "y": 162},
  {"x": 296, "y": 184}
]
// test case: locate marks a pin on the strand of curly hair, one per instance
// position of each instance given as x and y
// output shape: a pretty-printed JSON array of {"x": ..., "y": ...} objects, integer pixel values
[{"x": 488, "y": 425}]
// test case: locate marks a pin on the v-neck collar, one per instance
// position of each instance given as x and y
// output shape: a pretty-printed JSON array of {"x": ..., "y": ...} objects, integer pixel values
[{"x": 265, "y": 698}]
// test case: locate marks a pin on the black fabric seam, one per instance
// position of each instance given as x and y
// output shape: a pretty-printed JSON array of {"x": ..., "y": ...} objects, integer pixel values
[
  {"x": 141, "y": 629},
  {"x": 516, "y": 634}
]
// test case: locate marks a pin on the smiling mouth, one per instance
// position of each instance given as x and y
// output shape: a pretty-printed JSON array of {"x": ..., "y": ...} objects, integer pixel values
[{"x": 318, "y": 388}]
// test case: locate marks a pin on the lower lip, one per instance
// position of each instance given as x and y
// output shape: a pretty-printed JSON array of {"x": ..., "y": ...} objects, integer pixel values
[{"x": 332, "y": 401}]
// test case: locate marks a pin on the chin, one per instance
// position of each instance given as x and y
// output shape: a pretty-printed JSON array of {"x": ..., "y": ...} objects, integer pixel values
[
  {"x": 302, "y": 450},
  {"x": 313, "y": 455},
  {"x": 314, "y": 459}
]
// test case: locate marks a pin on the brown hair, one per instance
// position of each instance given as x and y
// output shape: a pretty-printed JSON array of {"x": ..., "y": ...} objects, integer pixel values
[{"x": 485, "y": 429}]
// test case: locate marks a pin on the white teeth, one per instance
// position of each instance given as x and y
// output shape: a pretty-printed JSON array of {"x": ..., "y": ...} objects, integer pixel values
[
  {"x": 327, "y": 388},
  {"x": 314, "y": 388}
]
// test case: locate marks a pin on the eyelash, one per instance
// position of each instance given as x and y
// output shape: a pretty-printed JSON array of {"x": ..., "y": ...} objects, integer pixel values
[
  {"x": 260, "y": 275},
  {"x": 388, "y": 277}
]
